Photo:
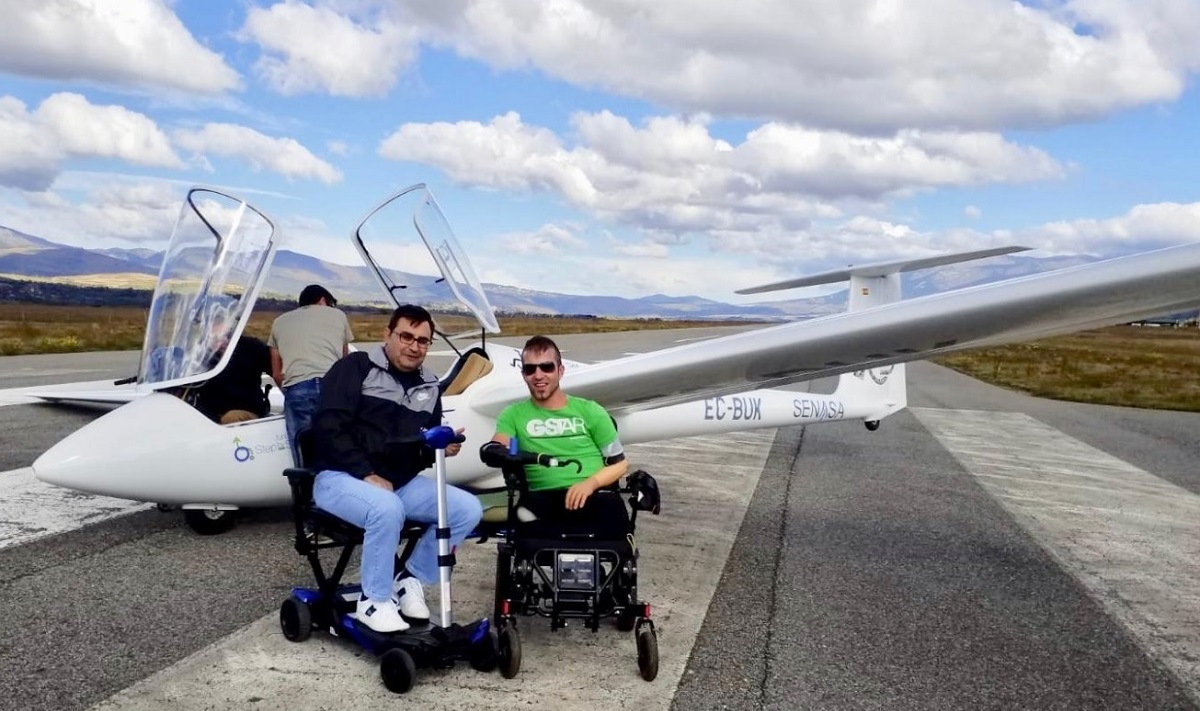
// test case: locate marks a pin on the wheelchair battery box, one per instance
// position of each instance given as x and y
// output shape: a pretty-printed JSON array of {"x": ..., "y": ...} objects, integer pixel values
[{"x": 576, "y": 571}]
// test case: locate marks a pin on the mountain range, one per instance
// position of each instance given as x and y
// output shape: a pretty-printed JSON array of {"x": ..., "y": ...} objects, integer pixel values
[{"x": 26, "y": 257}]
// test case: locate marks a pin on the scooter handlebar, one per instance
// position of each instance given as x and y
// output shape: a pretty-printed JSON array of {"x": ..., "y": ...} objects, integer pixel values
[{"x": 442, "y": 436}]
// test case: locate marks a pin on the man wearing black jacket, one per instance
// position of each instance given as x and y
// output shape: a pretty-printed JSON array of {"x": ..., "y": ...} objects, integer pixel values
[
  {"x": 373, "y": 404},
  {"x": 236, "y": 393}
]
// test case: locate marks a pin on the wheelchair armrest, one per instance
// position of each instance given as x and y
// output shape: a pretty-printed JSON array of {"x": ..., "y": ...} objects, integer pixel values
[
  {"x": 643, "y": 492},
  {"x": 301, "y": 480}
]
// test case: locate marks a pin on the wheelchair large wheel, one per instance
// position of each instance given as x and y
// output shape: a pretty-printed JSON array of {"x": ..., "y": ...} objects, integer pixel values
[
  {"x": 398, "y": 670},
  {"x": 295, "y": 619},
  {"x": 647, "y": 651},
  {"x": 510, "y": 651}
]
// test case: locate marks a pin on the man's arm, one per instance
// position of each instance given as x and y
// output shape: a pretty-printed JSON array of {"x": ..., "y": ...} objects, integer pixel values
[
  {"x": 609, "y": 474},
  {"x": 277, "y": 367},
  {"x": 334, "y": 423},
  {"x": 604, "y": 436}
]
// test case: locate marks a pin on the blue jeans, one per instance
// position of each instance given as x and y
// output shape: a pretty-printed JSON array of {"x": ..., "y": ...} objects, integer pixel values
[
  {"x": 300, "y": 403},
  {"x": 381, "y": 514}
]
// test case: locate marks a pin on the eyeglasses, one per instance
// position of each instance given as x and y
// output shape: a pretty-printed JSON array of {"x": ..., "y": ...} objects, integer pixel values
[
  {"x": 531, "y": 368},
  {"x": 407, "y": 339}
]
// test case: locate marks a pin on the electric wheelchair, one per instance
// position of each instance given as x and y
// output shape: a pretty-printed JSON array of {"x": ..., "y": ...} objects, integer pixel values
[{"x": 567, "y": 569}]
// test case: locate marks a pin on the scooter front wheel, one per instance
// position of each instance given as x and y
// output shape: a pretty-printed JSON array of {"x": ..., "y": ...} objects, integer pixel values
[{"x": 398, "y": 671}]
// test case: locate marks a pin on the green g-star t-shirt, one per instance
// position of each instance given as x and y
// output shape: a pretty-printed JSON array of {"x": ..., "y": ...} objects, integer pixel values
[{"x": 582, "y": 430}]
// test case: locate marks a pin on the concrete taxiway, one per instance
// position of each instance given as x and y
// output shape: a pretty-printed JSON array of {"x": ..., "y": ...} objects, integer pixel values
[{"x": 981, "y": 550}]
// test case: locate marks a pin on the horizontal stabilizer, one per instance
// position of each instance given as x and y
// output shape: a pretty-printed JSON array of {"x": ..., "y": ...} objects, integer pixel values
[{"x": 880, "y": 269}]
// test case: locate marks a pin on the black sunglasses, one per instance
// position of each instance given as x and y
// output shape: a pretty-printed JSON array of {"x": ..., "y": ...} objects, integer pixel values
[{"x": 531, "y": 368}]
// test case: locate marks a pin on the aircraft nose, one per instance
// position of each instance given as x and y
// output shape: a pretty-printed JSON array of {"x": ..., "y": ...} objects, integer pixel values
[{"x": 114, "y": 455}]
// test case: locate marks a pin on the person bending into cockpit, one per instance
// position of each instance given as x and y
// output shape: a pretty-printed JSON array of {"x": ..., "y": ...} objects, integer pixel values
[
  {"x": 373, "y": 406},
  {"x": 567, "y": 427},
  {"x": 236, "y": 393}
]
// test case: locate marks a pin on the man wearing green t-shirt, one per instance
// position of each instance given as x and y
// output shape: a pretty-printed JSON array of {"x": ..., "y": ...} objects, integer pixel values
[{"x": 552, "y": 422}]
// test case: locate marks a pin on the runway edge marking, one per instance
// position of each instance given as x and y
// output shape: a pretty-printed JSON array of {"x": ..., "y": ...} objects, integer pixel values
[{"x": 1131, "y": 538}]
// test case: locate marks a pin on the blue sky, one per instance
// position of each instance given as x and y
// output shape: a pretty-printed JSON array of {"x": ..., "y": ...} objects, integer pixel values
[{"x": 684, "y": 147}]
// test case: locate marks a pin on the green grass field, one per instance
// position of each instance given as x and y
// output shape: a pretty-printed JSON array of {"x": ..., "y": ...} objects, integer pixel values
[
  {"x": 32, "y": 328},
  {"x": 1137, "y": 366}
]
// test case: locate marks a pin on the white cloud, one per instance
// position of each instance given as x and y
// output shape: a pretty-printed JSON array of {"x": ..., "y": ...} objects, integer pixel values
[
  {"x": 1142, "y": 227},
  {"x": 114, "y": 212},
  {"x": 853, "y": 64},
  {"x": 310, "y": 48},
  {"x": 671, "y": 178},
  {"x": 285, "y": 156},
  {"x": 34, "y": 145},
  {"x": 641, "y": 250},
  {"x": 863, "y": 239},
  {"x": 972, "y": 212},
  {"x": 138, "y": 43},
  {"x": 546, "y": 240}
]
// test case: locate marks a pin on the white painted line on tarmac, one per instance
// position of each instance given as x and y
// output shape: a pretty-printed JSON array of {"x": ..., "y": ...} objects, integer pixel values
[
  {"x": 45, "y": 372},
  {"x": 706, "y": 483},
  {"x": 31, "y": 509},
  {"x": 1131, "y": 538}
]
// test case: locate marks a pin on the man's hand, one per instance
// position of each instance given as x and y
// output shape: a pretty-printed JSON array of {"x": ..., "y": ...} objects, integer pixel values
[
  {"x": 578, "y": 494},
  {"x": 379, "y": 481},
  {"x": 455, "y": 447}
]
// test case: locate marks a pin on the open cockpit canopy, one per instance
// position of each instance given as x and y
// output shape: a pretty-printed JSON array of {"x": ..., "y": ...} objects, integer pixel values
[
  {"x": 433, "y": 272},
  {"x": 212, "y": 270}
]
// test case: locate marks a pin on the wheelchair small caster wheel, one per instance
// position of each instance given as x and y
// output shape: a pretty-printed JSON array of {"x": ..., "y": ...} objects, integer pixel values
[
  {"x": 398, "y": 671},
  {"x": 626, "y": 621},
  {"x": 295, "y": 619},
  {"x": 510, "y": 651},
  {"x": 485, "y": 655},
  {"x": 647, "y": 651}
]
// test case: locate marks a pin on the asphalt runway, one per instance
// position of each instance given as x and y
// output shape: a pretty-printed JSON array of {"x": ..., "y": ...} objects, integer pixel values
[{"x": 983, "y": 549}]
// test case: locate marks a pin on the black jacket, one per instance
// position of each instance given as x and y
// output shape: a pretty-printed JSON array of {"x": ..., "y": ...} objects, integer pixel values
[
  {"x": 369, "y": 415},
  {"x": 239, "y": 385}
]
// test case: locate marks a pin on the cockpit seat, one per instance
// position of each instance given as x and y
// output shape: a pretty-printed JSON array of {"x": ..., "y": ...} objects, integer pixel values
[{"x": 472, "y": 366}]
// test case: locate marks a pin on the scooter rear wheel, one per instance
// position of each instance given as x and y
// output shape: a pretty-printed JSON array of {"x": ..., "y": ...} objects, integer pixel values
[
  {"x": 485, "y": 654},
  {"x": 295, "y": 619}
]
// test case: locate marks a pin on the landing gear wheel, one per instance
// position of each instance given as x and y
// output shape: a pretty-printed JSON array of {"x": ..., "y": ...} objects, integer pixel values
[
  {"x": 647, "y": 650},
  {"x": 510, "y": 652},
  {"x": 871, "y": 425},
  {"x": 485, "y": 655},
  {"x": 295, "y": 619},
  {"x": 208, "y": 522},
  {"x": 398, "y": 671}
]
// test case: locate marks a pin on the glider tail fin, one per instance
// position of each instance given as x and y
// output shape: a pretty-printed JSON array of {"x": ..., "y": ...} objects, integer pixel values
[{"x": 876, "y": 392}]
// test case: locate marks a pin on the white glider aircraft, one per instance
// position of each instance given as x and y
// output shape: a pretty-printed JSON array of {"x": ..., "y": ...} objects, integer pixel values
[{"x": 158, "y": 448}]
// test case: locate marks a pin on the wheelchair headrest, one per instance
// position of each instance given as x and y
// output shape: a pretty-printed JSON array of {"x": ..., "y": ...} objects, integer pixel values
[{"x": 644, "y": 492}]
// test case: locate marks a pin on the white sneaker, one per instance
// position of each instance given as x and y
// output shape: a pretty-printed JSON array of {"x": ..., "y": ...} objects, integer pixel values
[
  {"x": 411, "y": 597},
  {"x": 380, "y": 616}
]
